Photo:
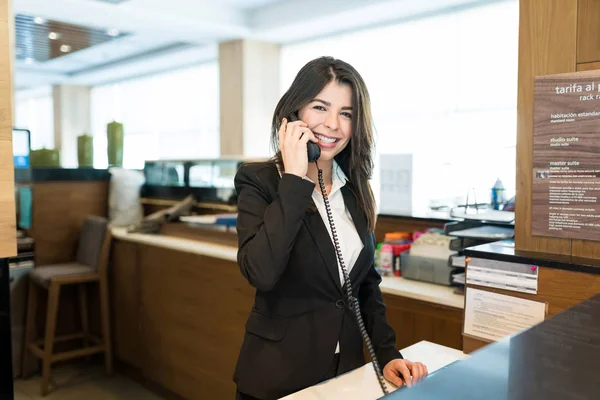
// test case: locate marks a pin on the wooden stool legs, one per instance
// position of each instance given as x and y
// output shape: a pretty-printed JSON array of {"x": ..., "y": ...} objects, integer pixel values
[
  {"x": 51, "y": 313},
  {"x": 92, "y": 344},
  {"x": 83, "y": 311},
  {"x": 30, "y": 328},
  {"x": 105, "y": 321}
]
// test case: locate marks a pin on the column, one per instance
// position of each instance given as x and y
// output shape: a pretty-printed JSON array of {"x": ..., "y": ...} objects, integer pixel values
[
  {"x": 72, "y": 118},
  {"x": 8, "y": 243},
  {"x": 249, "y": 92}
]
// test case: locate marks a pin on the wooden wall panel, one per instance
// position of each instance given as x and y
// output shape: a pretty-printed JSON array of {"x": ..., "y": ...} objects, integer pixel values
[
  {"x": 415, "y": 320},
  {"x": 8, "y": 242},
  {"x": 58, "y": 212},
  {"x": 588, "y": 31},
  {"x": 547, "y": 45}
]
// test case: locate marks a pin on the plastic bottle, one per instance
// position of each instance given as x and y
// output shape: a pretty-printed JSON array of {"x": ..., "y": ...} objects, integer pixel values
[
  {"x": 497, "y": 195},
  {"x": 398, "y": 250},
  {"x": 378, "y": 258},
  {"x": 386, "y": 255}
]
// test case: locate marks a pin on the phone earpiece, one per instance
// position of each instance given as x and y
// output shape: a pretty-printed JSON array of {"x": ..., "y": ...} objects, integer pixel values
[{"x": 314, "y": 151}]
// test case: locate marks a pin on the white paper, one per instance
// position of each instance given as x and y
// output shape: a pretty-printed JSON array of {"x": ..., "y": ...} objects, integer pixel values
[
  {"x": 493, "y": 316},
  {"x": 503, "y": 275},
  {"x": 396, "y": 188}
]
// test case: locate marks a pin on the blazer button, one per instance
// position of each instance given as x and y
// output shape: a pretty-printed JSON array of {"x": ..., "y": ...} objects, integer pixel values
[{"x": 340, "y": 303}]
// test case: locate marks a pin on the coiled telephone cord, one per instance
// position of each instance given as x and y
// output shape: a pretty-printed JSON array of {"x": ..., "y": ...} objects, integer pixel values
[{"x": 353, "y": 301}]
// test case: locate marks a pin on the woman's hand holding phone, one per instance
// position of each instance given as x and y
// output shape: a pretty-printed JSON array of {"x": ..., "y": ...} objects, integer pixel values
[{"x": 293, "y": 139}]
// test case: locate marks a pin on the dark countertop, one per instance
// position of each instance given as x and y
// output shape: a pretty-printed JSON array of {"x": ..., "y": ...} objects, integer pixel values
[
  {"x": 505, "y": 251},
  {"x": 62, "y": 175},
  {"x": 556, "y": 359}
]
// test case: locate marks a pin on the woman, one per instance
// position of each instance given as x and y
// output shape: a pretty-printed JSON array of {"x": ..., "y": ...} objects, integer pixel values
[{"x": 301, "y": 329}]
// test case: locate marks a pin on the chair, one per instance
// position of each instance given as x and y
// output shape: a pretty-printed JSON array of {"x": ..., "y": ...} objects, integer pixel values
[{"x": 90, "y": 266}]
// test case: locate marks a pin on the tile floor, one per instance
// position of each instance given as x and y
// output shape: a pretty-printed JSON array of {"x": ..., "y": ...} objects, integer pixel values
[{"x": 83, "y": 382}]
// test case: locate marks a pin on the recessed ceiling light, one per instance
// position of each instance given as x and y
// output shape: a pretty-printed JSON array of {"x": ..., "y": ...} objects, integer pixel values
[
  {"x": 39, "y": 20},
  {"x": 29, "y": 60},
  {"x": 65, "y": 48},
  {"x": 53, "y": 35},
  {"x": 112, "y": 32}
]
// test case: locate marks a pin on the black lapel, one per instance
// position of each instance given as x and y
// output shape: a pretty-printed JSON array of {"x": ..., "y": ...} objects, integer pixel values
[
  {"x": 360, "y": 223},
  {"x": 318, "y": 231}
]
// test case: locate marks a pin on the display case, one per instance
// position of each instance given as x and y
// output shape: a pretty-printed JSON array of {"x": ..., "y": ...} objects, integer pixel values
[{"x": 208, "y": 180}]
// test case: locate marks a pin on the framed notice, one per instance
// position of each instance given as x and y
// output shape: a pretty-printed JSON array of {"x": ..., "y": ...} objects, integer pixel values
[
  {"x": 566, "y": 156},
  {"x": 492, "y": 316}
]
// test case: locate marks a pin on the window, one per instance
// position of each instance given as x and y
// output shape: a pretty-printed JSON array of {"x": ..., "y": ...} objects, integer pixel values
[
  {"x": 443, "y": 88},
  {"x": 34, "y": 110},
  {"x": 173, "y": 115}
]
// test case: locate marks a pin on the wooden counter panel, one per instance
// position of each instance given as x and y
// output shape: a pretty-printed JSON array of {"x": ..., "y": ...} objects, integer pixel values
[
  {"x": 179, "y": 319},
  {"x": 194, "y": 315},
  {"x": 125, "y": 286},
  {"x": 415, "y": 320}
]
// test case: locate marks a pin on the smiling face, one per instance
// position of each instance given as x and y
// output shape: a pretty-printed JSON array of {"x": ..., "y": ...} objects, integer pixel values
[{"x": 329, "y": 116}]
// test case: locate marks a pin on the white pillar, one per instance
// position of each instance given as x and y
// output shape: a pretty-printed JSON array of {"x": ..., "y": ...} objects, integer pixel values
[
  {"x": 249, "y": 92},
  {"x": 72, "y": 118}
]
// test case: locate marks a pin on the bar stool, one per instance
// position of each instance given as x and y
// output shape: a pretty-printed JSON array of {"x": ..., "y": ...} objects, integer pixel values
[{"x": 90, "y": 266}]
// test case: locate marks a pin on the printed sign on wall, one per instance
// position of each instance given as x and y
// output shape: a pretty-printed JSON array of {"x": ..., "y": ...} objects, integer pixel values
[{"x": 566, "y": 156}]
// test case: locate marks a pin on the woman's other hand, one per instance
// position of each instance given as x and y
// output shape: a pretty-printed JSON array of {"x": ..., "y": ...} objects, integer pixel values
[
  {"x": 293, "y": 137},
  {"x": 404, "y": 372}
]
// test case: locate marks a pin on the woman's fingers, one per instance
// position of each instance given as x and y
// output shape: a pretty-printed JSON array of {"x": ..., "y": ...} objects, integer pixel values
[{"x": 281, "y": 132}]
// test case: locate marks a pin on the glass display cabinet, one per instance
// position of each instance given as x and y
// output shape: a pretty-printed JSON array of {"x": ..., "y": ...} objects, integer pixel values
[{"x": 208, "y": 180}]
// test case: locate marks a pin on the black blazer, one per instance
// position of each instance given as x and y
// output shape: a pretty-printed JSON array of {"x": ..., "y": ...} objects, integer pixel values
[{"x": 300, "y": 309}]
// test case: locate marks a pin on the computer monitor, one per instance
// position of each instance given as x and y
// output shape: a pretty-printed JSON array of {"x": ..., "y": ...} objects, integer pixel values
[{"x": 21, "y": 140}]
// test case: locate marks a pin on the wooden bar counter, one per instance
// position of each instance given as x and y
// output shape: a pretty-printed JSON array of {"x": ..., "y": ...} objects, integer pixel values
[{"x": 179, "y": 309}]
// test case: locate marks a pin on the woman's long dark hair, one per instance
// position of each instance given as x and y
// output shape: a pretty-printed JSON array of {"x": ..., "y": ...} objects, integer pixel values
[{"x": 356, "y": 160}]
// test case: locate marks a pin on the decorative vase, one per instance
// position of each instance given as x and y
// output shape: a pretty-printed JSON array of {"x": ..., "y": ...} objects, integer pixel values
[
  {"x": 85, "y": 150},
  {"x": 114, "y": 135},
  {"x": 45, "y": 158}
]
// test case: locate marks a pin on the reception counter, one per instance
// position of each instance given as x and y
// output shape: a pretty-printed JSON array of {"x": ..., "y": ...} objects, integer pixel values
[
  {"x": 423, "y": 291},
  {"x": 556, "y": 359},
  {"x": 179, "y": 309},
  {"x": 362, "y": 383}
]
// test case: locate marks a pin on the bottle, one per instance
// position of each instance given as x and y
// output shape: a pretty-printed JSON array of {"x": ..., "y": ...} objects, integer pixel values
[
  {"x": 378, "y": 258},
  {"x": 497, "y": 195},
  {"x": 386, "y": 256},
  {"x": 398, "y": 250}
]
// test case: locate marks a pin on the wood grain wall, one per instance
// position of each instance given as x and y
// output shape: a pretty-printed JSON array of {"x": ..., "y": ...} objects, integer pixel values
[
  {"x": 555, "y": 36},
  {"x": 8, "y": 243},
  {"x": 58, "y": 212}
]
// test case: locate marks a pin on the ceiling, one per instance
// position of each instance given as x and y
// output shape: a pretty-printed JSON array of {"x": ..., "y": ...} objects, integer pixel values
[{"x": 127, "y": 38}]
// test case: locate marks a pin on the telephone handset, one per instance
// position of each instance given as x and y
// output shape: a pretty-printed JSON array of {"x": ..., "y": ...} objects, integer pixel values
[
  {"x": 314, "y": 152},
  {"x": 313, "y": 149}
]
